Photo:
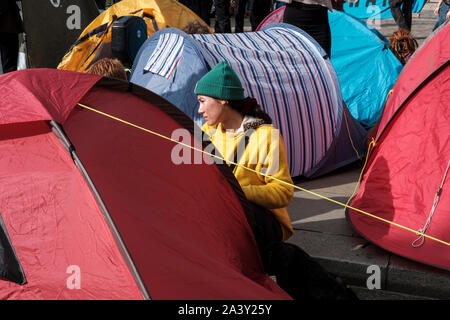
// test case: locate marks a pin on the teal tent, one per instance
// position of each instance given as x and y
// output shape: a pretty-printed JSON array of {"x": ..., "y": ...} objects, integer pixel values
[{"x": 366, "y": 68}]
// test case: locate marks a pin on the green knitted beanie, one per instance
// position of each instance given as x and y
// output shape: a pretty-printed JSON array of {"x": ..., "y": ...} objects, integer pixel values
[{"x": 221, "y": 83}]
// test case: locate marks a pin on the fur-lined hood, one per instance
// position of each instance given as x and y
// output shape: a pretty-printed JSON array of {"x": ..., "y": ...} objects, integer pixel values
[{"x": 249, "y": 123}]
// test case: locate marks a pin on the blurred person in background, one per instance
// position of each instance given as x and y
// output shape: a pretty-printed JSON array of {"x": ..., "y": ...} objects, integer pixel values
[
  {"x": 10, "y": 27},
  {"x": 442, "y": 12},
  {"x": 259, "y": 9},
  {"x": 222, "y": 24},
  {"x": 202, "y": 8},
  {"x": 402, "y": 12},
  {"x": 312, "y": 17}
]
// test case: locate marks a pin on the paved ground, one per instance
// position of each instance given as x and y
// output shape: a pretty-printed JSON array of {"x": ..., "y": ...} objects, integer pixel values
[
  {"x": 321, "y": 228},
  {"x": 322, "y": 231}
]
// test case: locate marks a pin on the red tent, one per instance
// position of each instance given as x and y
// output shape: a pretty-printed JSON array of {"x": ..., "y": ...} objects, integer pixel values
[
  {"x": 409, "y": 162},
  {"x": 96, "y": 209}
]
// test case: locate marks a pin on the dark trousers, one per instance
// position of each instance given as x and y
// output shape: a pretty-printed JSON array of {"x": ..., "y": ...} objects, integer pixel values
[
  {"x": 240, "y": 15},
  {"x": 201, "y": 7},
  {"x": 266, "y": 230},
  {"x": 259, "y": 9},
  {"x": 403, "y": 15},
  {"x": 9, "y": 48},
  {"x": 311, "y": 18},
  {"x": 296, "y": 272},
  {"x": 222, "y": 24},
  {"x": 101, "y": 4}
]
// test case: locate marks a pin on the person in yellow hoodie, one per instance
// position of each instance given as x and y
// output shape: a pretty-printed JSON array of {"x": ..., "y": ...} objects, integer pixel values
[{"x": 243, "y": 133}]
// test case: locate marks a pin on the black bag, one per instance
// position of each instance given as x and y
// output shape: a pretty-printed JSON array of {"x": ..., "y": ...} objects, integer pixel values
[{"x": 128, "y": 33}]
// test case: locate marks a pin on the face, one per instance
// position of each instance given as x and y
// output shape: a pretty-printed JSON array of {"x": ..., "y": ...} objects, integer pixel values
[{"x": 211, "y": 109}]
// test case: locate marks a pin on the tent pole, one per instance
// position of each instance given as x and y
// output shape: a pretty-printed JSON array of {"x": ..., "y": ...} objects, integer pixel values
[{"x": 60, "y": 134}]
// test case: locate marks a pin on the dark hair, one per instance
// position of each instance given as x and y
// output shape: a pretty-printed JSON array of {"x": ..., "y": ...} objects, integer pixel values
[
  {"x": 402, "y": 44},
  {"x": 108, "y": 67},
  {"x": 250, "y": 107},
  {"x": 195, "y": 27}
]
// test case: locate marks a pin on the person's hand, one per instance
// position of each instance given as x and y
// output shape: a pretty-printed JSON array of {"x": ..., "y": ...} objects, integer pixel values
[
  {"x": 447, "y": 16},
  {"x": 436, "y": 11}
]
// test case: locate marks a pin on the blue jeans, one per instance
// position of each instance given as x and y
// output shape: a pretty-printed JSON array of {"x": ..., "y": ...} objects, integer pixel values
[
  {"x": 445, "y": 6},
  {"x": 279, "y": 4}
]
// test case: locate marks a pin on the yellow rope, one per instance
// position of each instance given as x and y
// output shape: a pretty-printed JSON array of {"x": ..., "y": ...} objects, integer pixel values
[
  {"x": 371, "y": 144},
  {"x": 274, "y": 178},
  {"x": 350, "y": 137}
]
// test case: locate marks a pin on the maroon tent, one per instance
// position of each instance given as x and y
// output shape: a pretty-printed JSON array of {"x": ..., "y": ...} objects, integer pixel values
[
  {"x": 407, "y": 178},
  {"x": 94, "y": 208}
]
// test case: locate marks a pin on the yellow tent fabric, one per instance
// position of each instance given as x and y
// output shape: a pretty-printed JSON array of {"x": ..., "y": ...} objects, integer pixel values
[{"x": 158, "y": 14}]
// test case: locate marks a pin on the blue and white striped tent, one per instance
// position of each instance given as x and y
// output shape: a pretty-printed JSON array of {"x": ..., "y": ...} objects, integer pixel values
[
  {"x": 280, "y": 66},
  {"x": 170, "y": 63}
]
